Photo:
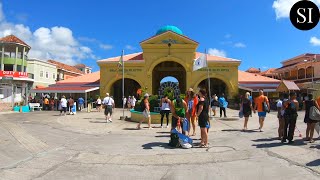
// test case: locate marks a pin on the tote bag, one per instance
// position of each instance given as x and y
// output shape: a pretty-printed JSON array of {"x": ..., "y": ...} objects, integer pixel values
[{"x": 314, "y": 113}]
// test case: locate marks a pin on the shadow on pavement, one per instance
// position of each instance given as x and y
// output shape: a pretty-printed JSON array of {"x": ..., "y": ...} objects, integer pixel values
[
  {"x": 239, "y": 130},
  {"x": 266, "y": 139},
  {"x": 156, "y": 144},
  {"x": 314, "y": 163},
  {"x": 164, "y": 132},
  {"x": 98, "y": 121},
  {"x": 316, "y": 146},
  {"x": 276, "y": 144},
  {"x": 131, "y": 129},
  {"x": 160, "y": 136}
]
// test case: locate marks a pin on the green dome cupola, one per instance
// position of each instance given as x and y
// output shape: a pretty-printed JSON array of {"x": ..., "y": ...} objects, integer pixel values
[{"x": 169, "y": 28}]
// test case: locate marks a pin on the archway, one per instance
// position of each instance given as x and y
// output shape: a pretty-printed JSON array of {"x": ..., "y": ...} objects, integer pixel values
[
  {"x": 217, "y": 86},
  {"x": 170, "y": 86},
  {"x": 130, "y": 89},
  {"x": 165, "y": 69}
]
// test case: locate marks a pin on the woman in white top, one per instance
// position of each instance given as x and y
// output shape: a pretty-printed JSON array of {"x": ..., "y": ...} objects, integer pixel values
[
  {"x": 133, "y": 102},
  {"x": 63, "y": 106},
  {"x": 165, "y": 109},
  {"x": 98, "y": 106}
]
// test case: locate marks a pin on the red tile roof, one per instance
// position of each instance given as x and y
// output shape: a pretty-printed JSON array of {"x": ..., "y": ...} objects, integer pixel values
[
  {"x": 139, "y": 56},
  {"x": 80, "y": 66},
  {"x": 70, "y": 89},
  {"x": 65, "y": 67},
  {"x": 13, "y": 39},
  {"x": 245, "y": 77},
  {"x": 253, "y": 70},
  {"x": 268, "y": 72},
  {"x": 85, "y": 79}
]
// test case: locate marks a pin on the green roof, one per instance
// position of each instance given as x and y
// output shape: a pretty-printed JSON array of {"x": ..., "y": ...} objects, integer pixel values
[{"x": 169, "y": 28}]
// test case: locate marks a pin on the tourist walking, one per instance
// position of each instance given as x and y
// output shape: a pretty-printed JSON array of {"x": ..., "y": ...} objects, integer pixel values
[
  {"x": 178, "y": 109},
  {"x": 262, "y": 105},
  {"x": 280, "y": 115},
  {"x": 192, "y": 100},
  {"x": 246, "y": 107},
  {"x": 99, "y": 104},
  {"x": 145, "y": 107},
  {"x": 133, "y": 102},
  {"x": 81, "y": 103},
  {"x": 124, "y": 101},
  {"x": 214, "y": 104},
  {"x": 129, "y": 103},
  {"x": 165, "y": 109},
  {"x": 63, "y": 105},
  {"x": 108, "y": 102},
  {"x": 203, "y": 117},
  {"x": 290, "y": 116},
  {"x": 223, "y": 104},
  {"x": 71, "y": 104},
  {"x": 311, "y": 124},
  {"x": 46, "y": 103}
]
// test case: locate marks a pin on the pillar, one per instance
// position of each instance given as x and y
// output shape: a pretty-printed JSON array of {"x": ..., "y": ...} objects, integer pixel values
[
  {"x": 23, "y": 58},
  {"x": 2, "y": 59},
  {"x": 15, "y": 61}
]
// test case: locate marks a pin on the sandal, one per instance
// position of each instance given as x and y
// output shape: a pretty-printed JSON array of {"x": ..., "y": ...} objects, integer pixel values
[
  {"x": 204, "y": 146},
  {"x": 311, "y": 141}
]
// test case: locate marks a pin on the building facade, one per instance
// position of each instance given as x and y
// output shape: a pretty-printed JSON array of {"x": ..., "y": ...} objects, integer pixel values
[
  {"x": 168, "y": 53},
  {"x": 85, "y": 69},
  {"x": 65, "y": 71},
  {"x": 14, "y": 79},
  {"x": 42, "y": 72}
]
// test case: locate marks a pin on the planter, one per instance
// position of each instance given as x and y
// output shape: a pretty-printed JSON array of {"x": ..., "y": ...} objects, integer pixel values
[
  {"x": 21, "y": 109},
  {"x": 16, "y": 108},
  {"x": 137, "y": 116}
]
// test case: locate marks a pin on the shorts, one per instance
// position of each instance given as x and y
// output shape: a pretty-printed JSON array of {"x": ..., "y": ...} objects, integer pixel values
[
  {"x": 108, "y": 110},
  {"x": 262, "y": 114},
  {"x": 98, "y": 105},
  {"x": 146, "y": 114},
  {"x": 214, "y": 107},
  {"x": 64, "y": 109}
]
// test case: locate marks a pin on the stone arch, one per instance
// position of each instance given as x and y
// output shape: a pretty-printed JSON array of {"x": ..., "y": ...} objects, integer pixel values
[
  {"x": 168, "y": 58},
  {"x": 302, "y": 73}
]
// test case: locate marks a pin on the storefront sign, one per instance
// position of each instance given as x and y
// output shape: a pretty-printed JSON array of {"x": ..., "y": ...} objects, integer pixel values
[
  {"x": 214, "y": 70},
  {"x": 12, "y": 74},
  {"x": 126, "y": 70}
]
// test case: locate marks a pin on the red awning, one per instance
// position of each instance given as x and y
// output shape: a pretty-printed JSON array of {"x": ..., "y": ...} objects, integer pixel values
[
  {"x": 57, "y": 89},
  {"x": 40, "y": 87}
]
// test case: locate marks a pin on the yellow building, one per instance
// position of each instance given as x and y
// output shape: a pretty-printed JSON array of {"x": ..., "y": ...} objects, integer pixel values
[{"x": 168, "y": 53}]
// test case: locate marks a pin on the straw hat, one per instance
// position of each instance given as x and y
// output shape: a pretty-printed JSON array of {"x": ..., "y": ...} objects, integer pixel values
[
  {"x": 107, "y": 94},
  {"x": 190, "y": 89},
  {"x": 146, "y": 95}
]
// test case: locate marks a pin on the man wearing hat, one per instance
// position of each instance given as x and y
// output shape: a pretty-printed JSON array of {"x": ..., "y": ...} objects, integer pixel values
[
  {"x": 108, "y": 102},
  {"x": 145, "y": 107},
  {"x": 63, "y": 105}
]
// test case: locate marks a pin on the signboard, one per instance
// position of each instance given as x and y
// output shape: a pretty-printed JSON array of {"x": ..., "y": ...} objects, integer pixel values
[
  {"x": 13, "y": 74},
  {"x": 125, "y": 70},
  {"x": 215, "y": 69}
]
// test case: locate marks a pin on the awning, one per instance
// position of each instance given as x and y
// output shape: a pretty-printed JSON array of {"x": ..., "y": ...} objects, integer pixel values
[
  {"x": 286, "y": 86},
  {"x": 57, "y": 89}
]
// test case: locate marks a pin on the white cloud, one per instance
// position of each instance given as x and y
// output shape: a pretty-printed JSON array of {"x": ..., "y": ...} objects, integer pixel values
[
  {"x": 105, "y": 46},
  {"x": 282, "y": 7},
  {"x": 315, "y": 41},
  {"x": 227, "y": 36},
  {"x": 129, "y": 47},
  {"x": 216, "y": 52},
  {"x": 56, "y": 43},
  {"x": 240, "y": 45}
]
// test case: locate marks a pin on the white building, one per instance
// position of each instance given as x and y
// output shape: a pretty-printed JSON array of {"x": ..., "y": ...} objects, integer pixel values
[{"x": 43, "y": 73}]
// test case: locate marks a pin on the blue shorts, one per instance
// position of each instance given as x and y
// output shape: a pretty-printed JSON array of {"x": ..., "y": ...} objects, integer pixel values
[{"x": 262, "y": 114}]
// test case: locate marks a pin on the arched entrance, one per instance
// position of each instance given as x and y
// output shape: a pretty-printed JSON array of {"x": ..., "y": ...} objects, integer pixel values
[
  {"x": 165, "y": 69},
  {"x": 217, "y": 86},
  {"x": 170, "y": 86},
  {"x": 130, "y": 89}
]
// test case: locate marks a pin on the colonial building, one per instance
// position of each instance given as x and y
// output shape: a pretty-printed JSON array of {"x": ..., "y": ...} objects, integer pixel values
[
  {"x": 85, "y": 69},
  {"x": 42, "y": 72},
  {"x": 168, "y": 53},
  {"x": 66, "y": 71}
]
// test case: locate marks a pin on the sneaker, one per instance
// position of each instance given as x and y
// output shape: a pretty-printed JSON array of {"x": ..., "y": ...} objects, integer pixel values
[
  {"x": 150, "y": 128},
  {"x": 290, "y": 142},
  {"x": 162, "y": 127},
  {"x": 110, "y": 120},
  {"x": 283, "y": 140},
  {"x": 167, "y": 127}
]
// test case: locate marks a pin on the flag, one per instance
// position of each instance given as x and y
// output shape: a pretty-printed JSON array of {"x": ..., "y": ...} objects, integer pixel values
[
  {"x": 200, "y": 62},
  {"x": 120, "y": 63}
]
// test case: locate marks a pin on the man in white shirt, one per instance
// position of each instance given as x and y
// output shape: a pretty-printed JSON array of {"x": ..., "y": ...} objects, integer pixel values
[
  {"x": 108, "y": 102},
  {"x": 133, "y": 102},
  {"x": 63, "y": 105}
]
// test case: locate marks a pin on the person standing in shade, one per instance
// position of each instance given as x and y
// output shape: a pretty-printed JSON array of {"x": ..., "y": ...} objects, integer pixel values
[
  {"x": 46, "y": 103},
  {"x": 192, "y": 100},
  {"x": 145, "y": 107},
  {"x": 108, "y": 102},
  {"x": 290, "y": 117},
  {"x": 311, "y": 124},
  {"x": 214, "y": 104},
  {"x": 99, "y": 104},
  {"x": 259, "y": 105},
  {"x": 178, "y": 109},
  {"x": 247, "y": 108},
  {"x": 165, "y": 109},
  {"x": 63, "y": 105},
  {"x": 71, "y": 104},
  {"x": 133, "y": 102},
  {"x": 203, "y": 117},
  {"x": 223, "y": 104},
  {"x": 129, "y": 103},
  {"x": 280, "y": 114},
  {"x": 124, "y": 101},
  {"x": 81, "y": 103}
]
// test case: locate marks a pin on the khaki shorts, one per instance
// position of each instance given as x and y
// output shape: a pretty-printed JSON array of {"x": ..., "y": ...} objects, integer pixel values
[{"x": 146, "y": 114}]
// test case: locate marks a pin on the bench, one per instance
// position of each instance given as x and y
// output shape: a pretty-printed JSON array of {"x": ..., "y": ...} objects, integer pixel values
[{"x": 35, "y": 106}]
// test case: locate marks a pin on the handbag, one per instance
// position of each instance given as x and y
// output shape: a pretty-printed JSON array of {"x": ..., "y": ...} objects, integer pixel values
[
  {"x": 265, "y": 106},
  {"x": 314, "y": 113},
  {"x": 241, "y": 112}
]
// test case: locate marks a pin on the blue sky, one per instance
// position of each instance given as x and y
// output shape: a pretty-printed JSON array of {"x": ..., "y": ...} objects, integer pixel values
[{"x": 257, "y": 32}]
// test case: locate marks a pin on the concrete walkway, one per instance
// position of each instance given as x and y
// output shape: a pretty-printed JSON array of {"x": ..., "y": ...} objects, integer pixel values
[{"x": 44, "y": 145}]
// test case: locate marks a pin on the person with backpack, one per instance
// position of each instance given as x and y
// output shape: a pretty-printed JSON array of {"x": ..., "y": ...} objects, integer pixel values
[
  {"x": 290, "y": 116},
  {"x": 178, "y": 109},
  {"x": 192, "y": 100},
  {"x": 71, "y": 104},
  {"x": 223, "y": 104},
  {"x": 145, "y": 107},
  {"x": 165, "y": 109},
  {"x": 261, "y": 103},
  {"x": 311, "y": 124},
  {"x": 214, "y": 104}
]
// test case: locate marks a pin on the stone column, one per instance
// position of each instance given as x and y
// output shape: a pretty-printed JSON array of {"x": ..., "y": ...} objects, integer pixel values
[
  {"x": 16, "y": 59},
  {"x": 23, "y": 56}
]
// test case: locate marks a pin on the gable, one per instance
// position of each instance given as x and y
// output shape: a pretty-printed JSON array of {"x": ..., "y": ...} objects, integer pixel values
[{"x": 168, "y": 37}]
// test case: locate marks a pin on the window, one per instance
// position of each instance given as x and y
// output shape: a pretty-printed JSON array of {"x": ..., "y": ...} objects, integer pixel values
[
  {"x": 41, "y": 73},
  {"x": 53, "y": 75},
  {"x": 8, "y": 67},
  {"x": 47, "y": 75},
  {"x": 19, "y": 68}
]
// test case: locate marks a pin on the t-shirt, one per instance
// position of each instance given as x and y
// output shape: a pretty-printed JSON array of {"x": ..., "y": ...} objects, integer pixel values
[
  {"x": 63, "y": 102},
  {"x": 81, "y": 101},
  {"x": 99, "y": 101},
  {"x": 279, "y": 104},
  {"x": 108, "y": 101},
  {"x": 124, "y": 100},
  {"x": 259, "y": 100},
  {"x": 46, "y": 101},
  {"x": 133, "y": 101}
]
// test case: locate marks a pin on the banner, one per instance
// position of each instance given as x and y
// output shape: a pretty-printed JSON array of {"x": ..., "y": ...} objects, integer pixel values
[{"x": 14, "y": 74}]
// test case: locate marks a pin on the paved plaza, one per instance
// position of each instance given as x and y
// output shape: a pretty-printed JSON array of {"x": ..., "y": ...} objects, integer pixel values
[{"x": 43, "y": 145}]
